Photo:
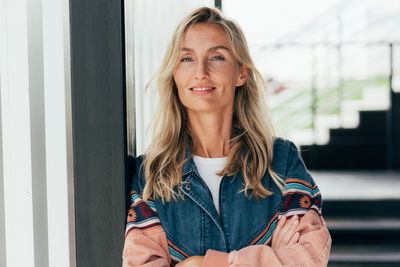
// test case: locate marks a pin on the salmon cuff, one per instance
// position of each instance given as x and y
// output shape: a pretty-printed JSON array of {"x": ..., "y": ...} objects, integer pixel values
[{"x": 214, "y": 258}]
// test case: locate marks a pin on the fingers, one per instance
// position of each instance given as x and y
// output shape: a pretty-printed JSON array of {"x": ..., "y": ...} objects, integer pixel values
[
  {"x": 290, "y": 227},
  {"x": 289, "y": 230},
  {"x": 277, "y": 230},
  {"x": 285, "y": 232},
  {"x": 294, "y": 239},
  {"x": 279, "y": 226}
]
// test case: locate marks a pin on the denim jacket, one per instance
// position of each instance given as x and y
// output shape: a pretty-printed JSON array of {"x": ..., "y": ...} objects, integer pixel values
[{"x": 193, "y": 226}]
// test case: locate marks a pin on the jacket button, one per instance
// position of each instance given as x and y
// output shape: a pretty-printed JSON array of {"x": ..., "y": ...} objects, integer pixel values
[{"x": 188, "y": 187}]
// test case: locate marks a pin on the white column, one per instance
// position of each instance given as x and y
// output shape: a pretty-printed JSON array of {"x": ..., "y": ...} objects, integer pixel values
[
  {"x": 61, "y": 234},
  {"x": 36, "y": 175},
  {"x": 38, "y": 148},
  {"x": 16, "y": 133},
  {"x": 2, "y": 217}
]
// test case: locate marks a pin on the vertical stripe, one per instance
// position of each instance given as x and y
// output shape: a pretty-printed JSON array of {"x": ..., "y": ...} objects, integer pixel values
[
  {"x": 2, "y": 218},
  {"x": 38, "y": 147},
  {"x": 32, "y": 70},
  {"x": 16, "y": 133},
  {"x": 58, "y": 141}
]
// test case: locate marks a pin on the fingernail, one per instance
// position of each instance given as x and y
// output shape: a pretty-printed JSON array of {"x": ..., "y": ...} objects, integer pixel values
[{"x": 294, "y": 217}]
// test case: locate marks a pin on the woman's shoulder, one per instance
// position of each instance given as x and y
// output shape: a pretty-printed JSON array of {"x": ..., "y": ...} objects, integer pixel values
[
  {"x": 282, "y": 144},
  {"x": 284, "y": 151},
  {"x": 139, "y": 160},
  {"x": 287, "y": 161}
]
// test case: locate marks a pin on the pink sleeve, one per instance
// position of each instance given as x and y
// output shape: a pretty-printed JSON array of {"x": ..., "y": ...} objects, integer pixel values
[
  {"x": 146, "y": 248},
  {"x": 312, "y": 249}
]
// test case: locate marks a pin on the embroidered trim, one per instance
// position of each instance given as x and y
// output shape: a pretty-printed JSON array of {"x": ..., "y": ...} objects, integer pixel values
[
  {"x": 300, "y": 197},
  {"x": 177, "y": 255},
  {"x": 142, "y": 215},
  {"x": 266, "y": 234}
]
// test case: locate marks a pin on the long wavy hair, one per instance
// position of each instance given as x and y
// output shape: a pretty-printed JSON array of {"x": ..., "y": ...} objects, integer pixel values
[{"x": 251, "y": 144}]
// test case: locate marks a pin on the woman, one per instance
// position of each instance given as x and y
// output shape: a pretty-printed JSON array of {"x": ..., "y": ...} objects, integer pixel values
[{"x": 215, "y": 187}]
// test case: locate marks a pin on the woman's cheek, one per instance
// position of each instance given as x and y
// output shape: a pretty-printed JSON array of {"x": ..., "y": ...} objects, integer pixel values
[{"x": 184, "y": 71}]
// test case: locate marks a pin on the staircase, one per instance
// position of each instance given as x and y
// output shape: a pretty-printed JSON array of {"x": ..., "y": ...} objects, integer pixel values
[
  {"x": 361, "y": 209},
  {"x": 361, "y": 148},
  {"x": 362, "y": 191},
  {"x": 365, "y": 147},
  {"x": 364, "y": 232}
]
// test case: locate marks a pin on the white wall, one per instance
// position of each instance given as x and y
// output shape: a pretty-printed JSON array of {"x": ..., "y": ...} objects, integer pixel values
[
  {"x": 36, "y": 193},
  {"x": 154, "y": 22}
]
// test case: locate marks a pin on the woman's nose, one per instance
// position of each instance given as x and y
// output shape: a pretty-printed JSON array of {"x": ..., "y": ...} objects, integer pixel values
[{"x": 202, "y": 70}]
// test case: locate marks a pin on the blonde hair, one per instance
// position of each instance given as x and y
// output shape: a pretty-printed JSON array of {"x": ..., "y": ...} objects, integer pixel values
[{"x": 251, "y": 146}]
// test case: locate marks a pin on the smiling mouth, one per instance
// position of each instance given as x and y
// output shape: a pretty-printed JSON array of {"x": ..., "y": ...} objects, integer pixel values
[{"x": 202, "y": 89}]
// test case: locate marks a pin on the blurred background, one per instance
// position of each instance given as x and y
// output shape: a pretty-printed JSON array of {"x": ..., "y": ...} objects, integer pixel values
[
  {"x": 333, "y": 70},
  {"x": 74, "y": 113}
]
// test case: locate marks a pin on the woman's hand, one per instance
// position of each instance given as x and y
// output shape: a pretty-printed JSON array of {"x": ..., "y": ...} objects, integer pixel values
[
  {"x": 285, "y": 232},
  {"x": 194, "y": 261}
]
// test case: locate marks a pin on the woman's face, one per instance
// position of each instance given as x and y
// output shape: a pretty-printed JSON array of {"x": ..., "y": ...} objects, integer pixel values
[{"x": 208, "y": 73}]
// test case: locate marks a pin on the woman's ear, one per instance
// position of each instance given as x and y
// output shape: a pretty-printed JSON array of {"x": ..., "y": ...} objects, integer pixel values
[{"x": 243, "y": 74}]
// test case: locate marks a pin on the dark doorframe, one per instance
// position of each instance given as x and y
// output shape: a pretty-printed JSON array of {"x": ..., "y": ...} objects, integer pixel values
[
  {"x": 99, "y": 130},
  {"x": 218, "y": 4}
]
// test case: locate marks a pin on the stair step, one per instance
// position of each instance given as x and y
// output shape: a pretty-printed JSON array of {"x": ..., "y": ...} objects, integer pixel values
[
  {"x": 387, "y": 208},
  {"x": 367, "y": 231},
  {"x": 366, "y": 257},
  {"x": 364, "y": 264},
  {"x": 356, "y": 132},
  {"x": 348, "y": 141},
  {"x": 372, "y": 117},
  {"x": 340, "y": 188},
  {"x": 345, "y": 156},
  {"x": 367, "y": 118},
  {"x": 362, "y": 224},
  {"x": 365, "y": 254}
]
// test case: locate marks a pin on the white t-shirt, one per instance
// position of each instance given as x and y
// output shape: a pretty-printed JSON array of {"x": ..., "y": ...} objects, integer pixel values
[{"x": 208, "y": 169}]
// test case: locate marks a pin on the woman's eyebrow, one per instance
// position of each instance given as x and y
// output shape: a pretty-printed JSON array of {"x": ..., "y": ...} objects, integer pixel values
[
  {"x": 218, "y": 47},
  {"x": 210, "y": 49}
]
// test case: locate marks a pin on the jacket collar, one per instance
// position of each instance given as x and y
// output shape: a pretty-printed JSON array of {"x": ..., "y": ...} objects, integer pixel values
[{"x": 188, "y": 166}]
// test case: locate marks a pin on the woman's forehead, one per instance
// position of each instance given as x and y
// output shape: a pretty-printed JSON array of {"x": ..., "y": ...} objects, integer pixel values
[{"x": 206, "y": 36}]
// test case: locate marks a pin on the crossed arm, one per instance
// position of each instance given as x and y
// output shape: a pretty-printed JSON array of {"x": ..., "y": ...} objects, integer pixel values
[
  {"x": 296, "y": 241},
  {"x": 285, "y": 234}
]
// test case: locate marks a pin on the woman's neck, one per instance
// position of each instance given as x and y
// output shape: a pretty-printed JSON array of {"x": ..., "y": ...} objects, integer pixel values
[{"x": 211, "y": 134}]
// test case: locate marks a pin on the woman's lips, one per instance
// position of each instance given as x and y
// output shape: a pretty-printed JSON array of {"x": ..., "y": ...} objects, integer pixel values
[{"x": 201, "y": 90}]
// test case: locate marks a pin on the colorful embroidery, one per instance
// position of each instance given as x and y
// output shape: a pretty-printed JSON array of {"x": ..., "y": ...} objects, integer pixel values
[
  {"x": 299, "y": 197},
  {"x": 142, "y": 215},
  {"x": 305, "y": 202},
  {"x": 131, "y": 216}
]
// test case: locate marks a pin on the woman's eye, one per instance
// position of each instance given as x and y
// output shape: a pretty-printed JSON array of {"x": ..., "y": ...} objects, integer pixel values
[
  {"x": 218, "y": 58},
  {"x": 186, "y": 59}
]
